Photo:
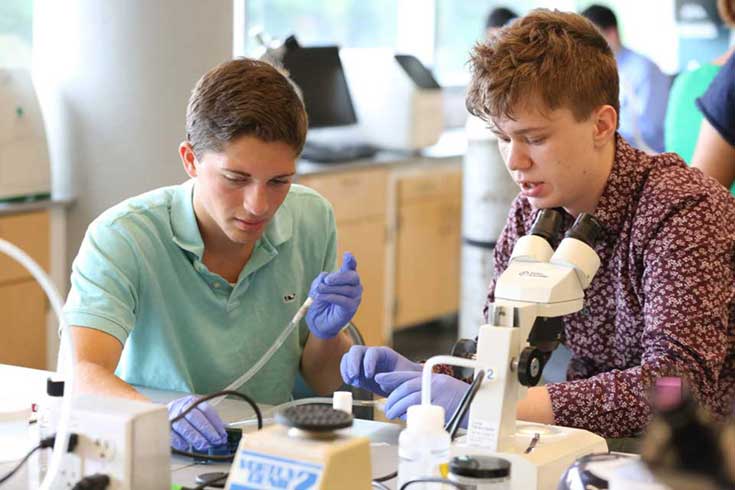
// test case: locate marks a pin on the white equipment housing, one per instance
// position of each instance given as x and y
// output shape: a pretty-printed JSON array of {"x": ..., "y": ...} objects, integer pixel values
[
  {"x": 24, "y": 157},
  {"x": 393, "y": 111},
  {"x": 127, "y": 440},
  {"x": 538, "y": 282}
]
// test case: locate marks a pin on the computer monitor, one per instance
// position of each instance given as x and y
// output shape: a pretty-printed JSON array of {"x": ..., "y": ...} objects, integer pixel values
[{"x": 318, "y": 73}]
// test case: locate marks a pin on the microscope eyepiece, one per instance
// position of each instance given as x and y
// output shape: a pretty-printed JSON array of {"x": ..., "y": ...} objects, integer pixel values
[
  {"x": 547, "y": 224},
  {"x": 586, "y": 228}
]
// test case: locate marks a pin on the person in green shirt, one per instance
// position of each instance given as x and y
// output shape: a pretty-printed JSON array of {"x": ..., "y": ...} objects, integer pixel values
[
  {"x": 683, "y": 118},
  {"x": 184, "y": 288}
]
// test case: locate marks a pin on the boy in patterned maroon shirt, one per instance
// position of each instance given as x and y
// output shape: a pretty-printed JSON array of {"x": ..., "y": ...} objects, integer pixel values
[{"x": 662, "y": 301}]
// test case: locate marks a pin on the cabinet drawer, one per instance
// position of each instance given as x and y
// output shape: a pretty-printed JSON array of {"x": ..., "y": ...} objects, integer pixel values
[
  {"x": 429, "y": 185},
  {"x": 354, "y": 194},
  {"x": 29, "y": 232},
  {"x": 24, "y": 319}
]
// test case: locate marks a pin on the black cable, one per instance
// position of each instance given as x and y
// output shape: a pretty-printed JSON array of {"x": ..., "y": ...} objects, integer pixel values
[
  {"x": 432, "y": 480},
  {"x": 222, "y": 458},
  {"x": 19, "y": 465},
  {"x": 387, "y": 477},
  {"x": 464, "y": 404},
  {"x": 216, "y": 394},
  {"x": 213, "y": 457},
  {"x": 45, "y": 443}
]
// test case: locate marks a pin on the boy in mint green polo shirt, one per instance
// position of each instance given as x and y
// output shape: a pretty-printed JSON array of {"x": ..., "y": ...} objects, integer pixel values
[{"x": 185, "y": 287}]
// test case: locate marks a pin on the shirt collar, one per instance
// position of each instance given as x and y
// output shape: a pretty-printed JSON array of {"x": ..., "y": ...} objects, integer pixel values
[
  {"x": 183, "y": 220},
  {"x": 186, "y": 230},
  {"x": 626, "y": 175}
]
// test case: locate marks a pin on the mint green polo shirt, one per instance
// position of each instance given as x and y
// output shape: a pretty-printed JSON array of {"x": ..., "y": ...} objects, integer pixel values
[{"x": 139, "y": 277}]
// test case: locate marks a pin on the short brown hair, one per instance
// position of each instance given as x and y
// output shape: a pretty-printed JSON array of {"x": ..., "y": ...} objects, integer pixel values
[
  {"x": 559, "y": 57},
  {"x": 244, "y": 97},
  {"x": 726, "y": 9}
]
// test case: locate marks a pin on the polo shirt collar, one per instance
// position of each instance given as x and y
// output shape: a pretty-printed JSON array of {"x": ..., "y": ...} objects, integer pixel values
[
  {"x": 183, "y": 220},
  {"x": 186, "y": 230}
]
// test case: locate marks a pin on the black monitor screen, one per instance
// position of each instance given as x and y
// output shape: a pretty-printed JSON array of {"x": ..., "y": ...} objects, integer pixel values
[{"x": 318, "y": 73}]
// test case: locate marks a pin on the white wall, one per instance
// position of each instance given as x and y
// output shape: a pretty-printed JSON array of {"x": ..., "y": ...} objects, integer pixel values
[{"x": 114, "y": 77}]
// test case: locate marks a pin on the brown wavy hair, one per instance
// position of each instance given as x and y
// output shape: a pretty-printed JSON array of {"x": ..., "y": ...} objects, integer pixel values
[
  {"x": 244, "y": 97},
  {"x": 558, "y": 57}
]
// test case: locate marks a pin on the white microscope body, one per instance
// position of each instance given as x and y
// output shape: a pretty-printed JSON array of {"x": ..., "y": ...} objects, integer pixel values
[{"x": 538, "y": 286}]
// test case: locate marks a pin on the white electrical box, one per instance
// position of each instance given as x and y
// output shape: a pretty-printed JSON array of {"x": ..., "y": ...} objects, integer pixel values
[
  {"x": 24, "y": 156},
  {"x": 126, "y": 440}
]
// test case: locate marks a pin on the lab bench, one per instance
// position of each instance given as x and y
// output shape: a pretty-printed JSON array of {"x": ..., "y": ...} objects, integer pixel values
[
  {"x": 400, "y": 215},
  {"x": 21, "y": 385}
]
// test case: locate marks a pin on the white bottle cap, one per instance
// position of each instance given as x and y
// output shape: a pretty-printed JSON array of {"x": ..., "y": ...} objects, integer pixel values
[
  {"x": 342, "y": 400},
  {"x": 428, "y": 417}
]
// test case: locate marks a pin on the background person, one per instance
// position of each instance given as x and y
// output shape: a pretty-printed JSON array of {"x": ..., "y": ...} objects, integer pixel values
[
  {"x": 683, "y": 117},
  {"x": 644, "y": 89}
]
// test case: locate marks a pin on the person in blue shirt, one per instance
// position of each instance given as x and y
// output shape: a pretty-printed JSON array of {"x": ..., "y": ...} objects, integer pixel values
[
  {"x": 184, "y": 288},
  {"x": 715, "y": 150},
  {"x": 644, "y": 89}
]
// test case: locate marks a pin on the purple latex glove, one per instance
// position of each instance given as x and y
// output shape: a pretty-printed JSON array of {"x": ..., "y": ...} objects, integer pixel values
[
  {"x": 405, "y": 390},
  {"x": 336, "y": 297},
  {"x": 360, "y": 365},
  {"x": 200, "y": 429}
]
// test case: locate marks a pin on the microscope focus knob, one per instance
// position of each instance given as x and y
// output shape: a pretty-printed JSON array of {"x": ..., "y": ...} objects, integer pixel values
[{"x": 530, "y": 366}]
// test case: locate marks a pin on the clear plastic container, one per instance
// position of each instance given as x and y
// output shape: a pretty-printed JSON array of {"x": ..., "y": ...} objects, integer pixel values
[{"x": 423, "y": 447}]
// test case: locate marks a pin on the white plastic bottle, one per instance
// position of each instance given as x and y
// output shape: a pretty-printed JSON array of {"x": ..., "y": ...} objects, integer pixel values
[
  {"x": 423, "y": 446},
  {"x": 48, "y": 418}
]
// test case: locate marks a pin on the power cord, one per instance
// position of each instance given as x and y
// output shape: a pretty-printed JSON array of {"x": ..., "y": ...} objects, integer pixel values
[
  {"x": 43, "y": 444},
  {"x": 213, "y": 457}
]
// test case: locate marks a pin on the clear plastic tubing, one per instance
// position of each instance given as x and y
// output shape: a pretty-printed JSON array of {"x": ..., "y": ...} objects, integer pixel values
[{"x": 269, "y": 353}]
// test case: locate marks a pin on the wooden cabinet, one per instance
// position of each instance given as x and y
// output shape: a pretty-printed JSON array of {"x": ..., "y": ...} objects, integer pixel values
[
  {"x": 402, "y": 222},
  {"x": 427, "y": 245},
  {"x": 359, "y": 201},
  {"x": 22, "y": 301}
]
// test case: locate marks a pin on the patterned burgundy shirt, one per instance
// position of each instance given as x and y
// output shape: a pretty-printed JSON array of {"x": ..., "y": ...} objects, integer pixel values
[{"x": 662, "y": 302}]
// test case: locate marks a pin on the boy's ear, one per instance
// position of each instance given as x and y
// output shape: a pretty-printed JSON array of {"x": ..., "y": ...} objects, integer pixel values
[
  {"x": 188, "y": 158},
  {"x": 606, "y": 123}
]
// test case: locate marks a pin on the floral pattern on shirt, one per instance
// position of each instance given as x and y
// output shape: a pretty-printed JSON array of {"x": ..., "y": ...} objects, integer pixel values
[{"x": 662, "y": 302}]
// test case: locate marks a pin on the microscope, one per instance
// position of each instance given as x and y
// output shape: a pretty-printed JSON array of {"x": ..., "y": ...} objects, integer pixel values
[{"x": 538, "y": 287}]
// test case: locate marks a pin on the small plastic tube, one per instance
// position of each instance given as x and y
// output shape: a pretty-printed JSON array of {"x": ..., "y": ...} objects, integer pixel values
[{"x": 342, "y": 400}]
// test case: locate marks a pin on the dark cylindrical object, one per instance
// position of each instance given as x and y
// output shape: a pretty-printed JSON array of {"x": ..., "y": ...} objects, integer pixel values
[
  {"x": 480, "y": 472},
  {"x": 586, "y": 228},
  {"x": 547, "y": 224}
]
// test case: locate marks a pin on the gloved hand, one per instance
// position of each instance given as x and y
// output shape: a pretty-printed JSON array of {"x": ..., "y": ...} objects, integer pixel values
[
  {"x": 200, "y": 428},
  {"x": 336, "y": 297},
  {"x": 360, "y": 365},
  {"x": 405, "y": 390}
]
